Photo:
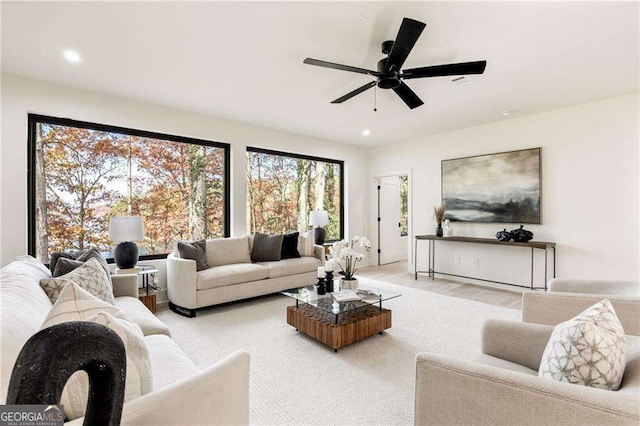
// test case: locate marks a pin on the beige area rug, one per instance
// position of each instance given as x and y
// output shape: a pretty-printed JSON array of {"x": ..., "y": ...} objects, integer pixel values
[{"x": 297, "y": 381}]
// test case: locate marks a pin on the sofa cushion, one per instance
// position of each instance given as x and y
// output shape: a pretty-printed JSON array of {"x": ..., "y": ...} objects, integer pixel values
[
  {"x": 226, "y": 251},
  {"x": 197, "y": 251},
  {"x": 589, "y": 349},
  {"x": 290, "y": 246},
  {"x": 90, "y": 276},
  {"x": 169, "y": 364},
  {"x": 266, "y": 247},
  {"x": 141, "y": 315},
  {"x": 224, "y": 275},
  {"x": 287, "y": 267},
  {"x": 306, "y": 244},
  {"x": 505, "y": 365}
]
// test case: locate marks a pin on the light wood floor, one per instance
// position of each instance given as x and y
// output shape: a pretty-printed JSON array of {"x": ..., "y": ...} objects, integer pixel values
[{"x": 396, "y": 273}]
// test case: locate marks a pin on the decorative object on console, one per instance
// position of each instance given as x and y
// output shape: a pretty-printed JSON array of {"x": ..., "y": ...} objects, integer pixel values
[
  {"x": 124, "y": 230},
  {"x": 438, "y": 215},
  {"x": 496, "y": 188},
  {"x": 319, "y": 218},
  {"x": 521, "y": 235},
  {"x": 51, "y": 356},
  {"x": 448, "y": 229},
  {"x": 503, "y": 235},
  {"x": 266, "y": 248},
  {"x": 346, "y": 258},
  {"x": 196, "y": 250},
  {"x": 290, "y": 246},
  {"x": 589, "y": 349}
]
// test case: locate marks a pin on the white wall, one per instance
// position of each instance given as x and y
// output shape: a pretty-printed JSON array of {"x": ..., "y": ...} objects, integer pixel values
[
  {"x": 21, "y": 96},
  {"x": 589, "y": 191}
]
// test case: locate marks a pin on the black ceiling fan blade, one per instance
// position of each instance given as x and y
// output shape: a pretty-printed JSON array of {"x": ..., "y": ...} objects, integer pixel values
[
  {"x": 444, "y": 70},
  {"x": 354, "y": 93},
  {"x": 325, "y": 64},
  {"x": 408, "y": 96},
  {"x": 407, "y": 36}
]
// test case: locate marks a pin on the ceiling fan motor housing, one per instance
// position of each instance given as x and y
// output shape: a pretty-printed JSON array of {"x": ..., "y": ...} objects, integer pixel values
[{"x": 388, "y": 79}]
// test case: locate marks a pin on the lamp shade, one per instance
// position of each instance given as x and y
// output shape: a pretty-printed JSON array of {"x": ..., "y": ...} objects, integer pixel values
[
  {"x": 126, "y": 228},
  {"x": 318, "y": 218}
]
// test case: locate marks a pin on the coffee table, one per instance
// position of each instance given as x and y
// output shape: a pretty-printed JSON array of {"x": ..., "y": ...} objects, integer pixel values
[{"x": 338, "y": 324}]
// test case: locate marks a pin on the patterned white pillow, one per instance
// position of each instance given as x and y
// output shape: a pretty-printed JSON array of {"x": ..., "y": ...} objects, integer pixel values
[
  {"x": 306, "y": 244},
  {"x": 588, "y": 350},
  {"x": 75, "y": 304},
  {"x": 90, "y": 276}
]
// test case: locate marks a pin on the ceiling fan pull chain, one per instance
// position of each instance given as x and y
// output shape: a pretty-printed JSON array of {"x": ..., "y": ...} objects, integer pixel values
[{"x": 375, "y": 98}]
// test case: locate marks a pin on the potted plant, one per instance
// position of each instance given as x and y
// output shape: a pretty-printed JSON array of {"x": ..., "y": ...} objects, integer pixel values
[
  {"x": 438, "y": 214},
  {"x": 347, "y": 258}
]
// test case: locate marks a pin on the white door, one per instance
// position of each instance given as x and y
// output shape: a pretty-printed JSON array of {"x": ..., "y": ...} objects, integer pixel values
[{"x": 389, "y": 220}]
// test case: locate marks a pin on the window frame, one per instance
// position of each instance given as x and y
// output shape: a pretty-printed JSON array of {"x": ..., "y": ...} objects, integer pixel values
[
  {"x": 33, "y": 119},
  {"x": 340, "y": 163}
]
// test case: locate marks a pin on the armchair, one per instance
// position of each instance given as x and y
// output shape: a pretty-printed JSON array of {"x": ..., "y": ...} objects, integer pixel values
[
  {"x": 501, "y": 385},
  {"x": 567, "y": 298}
]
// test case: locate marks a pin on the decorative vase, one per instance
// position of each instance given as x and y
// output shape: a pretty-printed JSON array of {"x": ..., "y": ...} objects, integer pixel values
[
  {"x": 521, "y": 235},
  {"x": 448, "y": 229},
  {"x": 348, "y": 284},
  {"x": 439, "y": 232}
]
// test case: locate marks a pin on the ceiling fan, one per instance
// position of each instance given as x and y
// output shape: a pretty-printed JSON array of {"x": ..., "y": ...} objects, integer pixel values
[{"x": 390, "y": 74}]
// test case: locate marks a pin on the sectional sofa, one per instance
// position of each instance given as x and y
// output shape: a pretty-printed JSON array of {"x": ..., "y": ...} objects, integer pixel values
[{"x": 232, "y": 276}]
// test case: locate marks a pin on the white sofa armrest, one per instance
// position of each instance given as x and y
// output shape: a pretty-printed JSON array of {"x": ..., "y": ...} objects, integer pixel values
[
  {"x": 181, "y": 281},
  {"x": 318, "y": 252},
  {"x": 554, "y": 308},
  {"x": 456, "y": 392},
  {"x": 218, "y": 395},
  {"x": 125, "y": 285},
  {"x": 620, "y": 288}
]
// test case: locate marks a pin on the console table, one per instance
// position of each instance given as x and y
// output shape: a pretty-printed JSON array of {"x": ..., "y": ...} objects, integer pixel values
[{"x": 533, "y": 245}]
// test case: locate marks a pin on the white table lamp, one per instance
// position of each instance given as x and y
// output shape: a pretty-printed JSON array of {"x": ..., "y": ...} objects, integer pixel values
[
  {"x": 124, "y": 230},
  {"x": 319, "y": 218}
]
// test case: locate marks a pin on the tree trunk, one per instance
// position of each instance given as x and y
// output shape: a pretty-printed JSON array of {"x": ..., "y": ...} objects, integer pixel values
[
  {"x": 42, "y": 235},
  {"x": 303, "y": 193},
  {"x": 320, "y": 186},
  {"x": 129, "y": 179},
  {"x": 198, "y": 195}
]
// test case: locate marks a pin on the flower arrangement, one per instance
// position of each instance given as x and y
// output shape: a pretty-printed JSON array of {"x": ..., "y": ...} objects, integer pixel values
[
  {"x": 346, "y": 257},
  {"x": 438, "y": 212}
]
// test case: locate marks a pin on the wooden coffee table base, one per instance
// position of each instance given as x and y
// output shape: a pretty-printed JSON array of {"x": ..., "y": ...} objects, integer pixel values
[{"x": 351, "y": 327}]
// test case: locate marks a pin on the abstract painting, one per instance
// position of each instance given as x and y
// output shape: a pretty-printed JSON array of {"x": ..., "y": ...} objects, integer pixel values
[{"x": 495, "y": 188}]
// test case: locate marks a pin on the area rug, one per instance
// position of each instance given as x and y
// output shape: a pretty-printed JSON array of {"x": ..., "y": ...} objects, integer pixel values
[{"x": 297, "y": 381}]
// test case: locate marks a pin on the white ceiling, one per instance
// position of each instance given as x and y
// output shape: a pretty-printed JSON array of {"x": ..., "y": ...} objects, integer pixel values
[{"x": 243, "y": 61}]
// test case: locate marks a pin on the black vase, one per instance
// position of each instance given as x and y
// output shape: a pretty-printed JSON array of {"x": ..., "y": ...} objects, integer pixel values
[{"x": 439, "y": 232}]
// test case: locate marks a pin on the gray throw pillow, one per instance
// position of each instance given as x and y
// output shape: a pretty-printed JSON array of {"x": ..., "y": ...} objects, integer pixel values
[
  {"x": 65, "y": 265},
  {"x": 197, "y": 251},
  {"x": 266, "y": 248}
]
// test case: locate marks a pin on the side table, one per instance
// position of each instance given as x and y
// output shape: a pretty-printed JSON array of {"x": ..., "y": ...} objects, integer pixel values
[{"x": 147, "y": 293}]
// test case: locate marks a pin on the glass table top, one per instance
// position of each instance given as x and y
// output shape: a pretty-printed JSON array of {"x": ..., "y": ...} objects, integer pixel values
[{"x": 327, "y": 303}]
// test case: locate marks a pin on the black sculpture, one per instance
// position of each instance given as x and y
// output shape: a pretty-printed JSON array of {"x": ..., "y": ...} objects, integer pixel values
[
  {"x": 504, "y": 235},
  {"x": 52, "y": 355},
  {"x": 521, "y": 235}
]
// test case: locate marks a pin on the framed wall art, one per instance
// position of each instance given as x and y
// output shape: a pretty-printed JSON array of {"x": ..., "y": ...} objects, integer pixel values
[{"x": 493, "y": 188}]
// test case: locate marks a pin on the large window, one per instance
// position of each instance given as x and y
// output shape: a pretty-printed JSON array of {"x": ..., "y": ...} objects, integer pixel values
[
  {"x": 81, "y": 174},
  {"x": 282, "y": 189}
]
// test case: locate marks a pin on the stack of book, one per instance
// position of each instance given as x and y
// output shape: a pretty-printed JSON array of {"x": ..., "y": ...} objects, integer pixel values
[
  {"x": 128, "y": 271},
  {"x": 354, "y": 295}
]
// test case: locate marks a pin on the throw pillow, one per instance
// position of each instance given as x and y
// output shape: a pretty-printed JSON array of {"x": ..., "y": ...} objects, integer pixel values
[
  {"x": 588, "y": 350},
  {"x": 290, "y": 246},
  {"x": 90, "y": 276},
  {"x": 306, "y": 244},
  {"x": 93, "y": 253},
  {"x": 266, "y": 248},
  {"x": 54, "y": 257},
  {"x": 196, "y": 250},
  {"x": 76, "y": 304}
]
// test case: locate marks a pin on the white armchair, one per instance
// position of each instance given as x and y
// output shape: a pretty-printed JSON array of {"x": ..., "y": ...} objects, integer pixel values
[
  {"x": 501, "y": 386},
  {"x": 567, "y": 298}
]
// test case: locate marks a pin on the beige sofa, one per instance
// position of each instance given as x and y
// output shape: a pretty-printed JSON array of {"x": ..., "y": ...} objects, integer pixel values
[
  {"x": 183, "y": 394},
  {"x": 232, "y": 276}
]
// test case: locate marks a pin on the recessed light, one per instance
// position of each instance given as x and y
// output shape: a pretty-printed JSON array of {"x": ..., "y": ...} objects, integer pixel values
[
  {"x": 366, "y": 132},
  {"x": 509, "y": 112},
  {"x": 71, "y": 56}
]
